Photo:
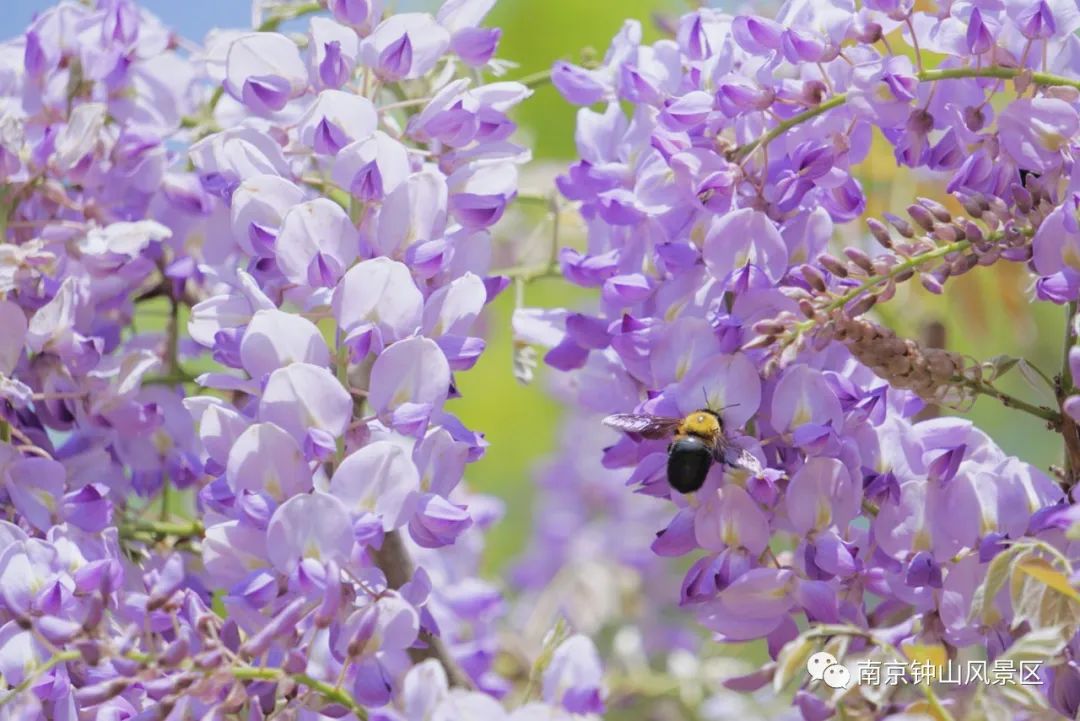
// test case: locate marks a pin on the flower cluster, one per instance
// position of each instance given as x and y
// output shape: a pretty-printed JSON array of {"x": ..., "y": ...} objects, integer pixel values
[
  {"x": 710, "y": 208},
  {"x": 289, "y": 529}
]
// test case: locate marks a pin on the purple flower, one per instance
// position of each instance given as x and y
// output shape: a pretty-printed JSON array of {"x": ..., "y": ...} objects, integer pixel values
[
  {"x": 573, "y": 679},
  {"x": 264, "y": 71},
  {"x": 1036, "y": 132}
]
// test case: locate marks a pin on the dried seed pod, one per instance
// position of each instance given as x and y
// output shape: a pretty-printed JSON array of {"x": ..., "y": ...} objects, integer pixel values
[{"x": 903, "y": 362}]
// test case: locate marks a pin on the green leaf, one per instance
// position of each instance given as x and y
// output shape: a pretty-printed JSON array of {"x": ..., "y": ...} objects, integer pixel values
[
  {"x": 998, "y": 366},
  {"x": 996, "y": 576},
  {"x": 1038, "y": 382},
  {"x": 1041, "y": 570},
  {"x": 791, "y": 662},
  {"x": 1038, "y": 645}
]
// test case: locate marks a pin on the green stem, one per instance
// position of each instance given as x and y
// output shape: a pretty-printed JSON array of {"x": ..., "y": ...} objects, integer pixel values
[
  {"x": 910, "y": 264},
  {"x": 997, "y": 72},
  {"x": 331, "y": 693},
  {"x": 180, "y": 529},
  {"x": 328, "y": 692},
  {"x": 535, "y": 80},
  {"x": 273, "y": 22},
  {"x": 38, "y": 672},
  {"x": 742, "y": 151},
  {"x": 1010, "y": 401}
]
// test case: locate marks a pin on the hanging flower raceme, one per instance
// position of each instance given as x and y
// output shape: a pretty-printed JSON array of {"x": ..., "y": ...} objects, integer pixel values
[
  {"x": 290, "y": 528},
  {"x": 710, "y": 205}
]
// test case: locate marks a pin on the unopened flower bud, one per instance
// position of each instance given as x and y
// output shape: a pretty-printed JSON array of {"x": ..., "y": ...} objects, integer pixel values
[
  {"x": 902, "y": 226},
  {"x": 946, "y": 233},
  {"x": 963, "y": 264},
  {"x": 834, "y": 265},
  {"x": 761, "y": 341},
  {"x": 813, "y": 91},
  {"x": 100, "y": 692},
  {"x": 939, "y": 211},
  {"x": 813, "y": 278},
  {"x": 974, "y": 118},
  {"x": 1019, "y": 254},
  {"x": 1022, "y": 197},
  {"x": 175, "y": 652},
  {"x": 931, "y": 283},
  {"x": 768, "y": 327},
  {"x": 208, "y": 659},
  {"x": 868, "y": 33},
  {"x": 922, "y": 217},
  {"x": 990, "y": 256},
  {"x": 974, "y": 233},
  {"x": 365, "y": 629},
  {"x": 295, "y": 661},
  {"x": 284, "y": 622},
  {"x": 862, "y": 305},
  {"x": 920, "y": 121},
  {"x": 860, "y": 259},
  {"x": 880, "y": 232},
  {"x": 90, "y": 651}
]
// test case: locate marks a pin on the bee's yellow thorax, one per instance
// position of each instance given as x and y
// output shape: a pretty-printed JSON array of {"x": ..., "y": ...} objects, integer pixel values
[{"x": 700, "y": 423}]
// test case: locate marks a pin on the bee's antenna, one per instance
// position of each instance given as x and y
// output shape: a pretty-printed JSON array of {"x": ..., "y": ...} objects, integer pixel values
[{"x": 717, "y": 410}]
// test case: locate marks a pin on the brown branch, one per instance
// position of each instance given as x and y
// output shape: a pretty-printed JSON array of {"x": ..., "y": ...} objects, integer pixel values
[
  {"x": 394, "y": 560},
  {"x": 1065, "y": 384}
]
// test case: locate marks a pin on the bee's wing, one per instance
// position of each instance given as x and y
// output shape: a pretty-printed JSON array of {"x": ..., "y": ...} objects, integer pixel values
[
  {"x": 737, "y": 456},
  {"x": 643, "y": 425}
]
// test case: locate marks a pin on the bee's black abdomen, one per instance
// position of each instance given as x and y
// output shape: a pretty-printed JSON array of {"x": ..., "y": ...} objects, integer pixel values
[{"x": 688, "y": 463}]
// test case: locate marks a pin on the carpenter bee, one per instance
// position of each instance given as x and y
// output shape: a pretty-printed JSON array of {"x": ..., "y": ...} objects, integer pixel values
[{"x": 697, "y": 441}]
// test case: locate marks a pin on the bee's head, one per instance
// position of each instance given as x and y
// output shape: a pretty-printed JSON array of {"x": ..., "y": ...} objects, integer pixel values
[{"x": 703, "y": 422}]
